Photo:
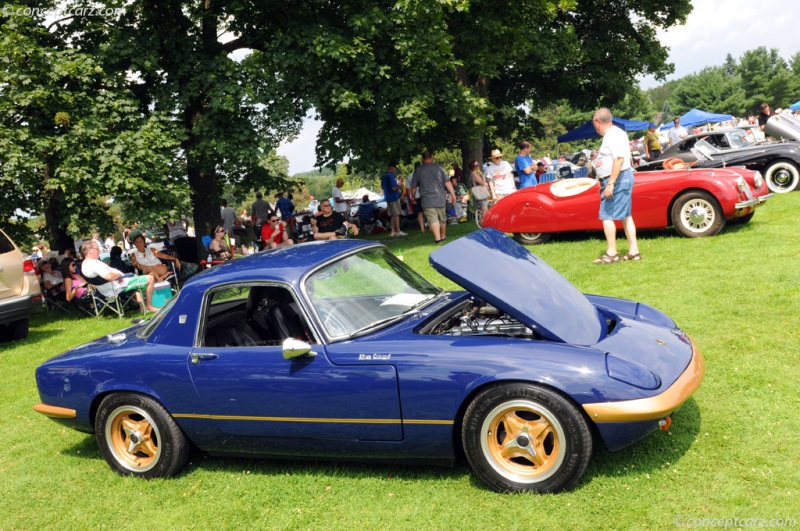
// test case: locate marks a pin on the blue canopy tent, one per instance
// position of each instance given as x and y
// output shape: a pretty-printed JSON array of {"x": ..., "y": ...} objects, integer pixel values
[
  {"x": 698, "y": 117},
  {"x": 587, "y": 129},
  {"x": 795, "y": 106}
]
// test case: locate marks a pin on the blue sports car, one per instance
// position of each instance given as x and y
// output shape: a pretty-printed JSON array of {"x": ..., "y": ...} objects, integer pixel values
[{"x": 340, "y": 350}]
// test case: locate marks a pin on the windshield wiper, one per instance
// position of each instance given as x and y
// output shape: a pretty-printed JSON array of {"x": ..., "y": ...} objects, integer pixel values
[
  {"x": 376, "y": 324},
  {"x": 393, "y": 319},
  {"x": 423, "y": 302}
]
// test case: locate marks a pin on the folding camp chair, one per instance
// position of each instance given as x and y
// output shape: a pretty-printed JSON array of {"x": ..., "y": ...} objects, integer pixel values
[
  {"x": 54, "y": 303},
  {"x": 122, "y": 297},
  {"x": 583, "y": 171}
]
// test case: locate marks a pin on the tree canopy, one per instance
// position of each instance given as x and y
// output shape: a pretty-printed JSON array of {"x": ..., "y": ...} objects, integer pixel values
[
  {"x": 389, "y": 78},
  {"x": 71, "y": 136}
]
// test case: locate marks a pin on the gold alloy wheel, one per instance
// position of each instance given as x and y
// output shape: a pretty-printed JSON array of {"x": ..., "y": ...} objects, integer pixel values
[
  {"x": 523, "y": 441},
  {"x": 133, "y": 438}
]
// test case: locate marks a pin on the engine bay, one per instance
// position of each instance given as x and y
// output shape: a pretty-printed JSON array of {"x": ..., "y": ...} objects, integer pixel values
[{"x": 475, "y": 317}]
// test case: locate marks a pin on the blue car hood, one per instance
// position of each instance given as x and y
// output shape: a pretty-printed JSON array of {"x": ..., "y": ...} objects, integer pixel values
[{"x": 505, "y": 274}]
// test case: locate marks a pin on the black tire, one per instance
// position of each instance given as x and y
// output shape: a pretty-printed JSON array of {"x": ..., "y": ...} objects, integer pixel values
[
  {"x": 19, "y": 329},
  {"x": 137, "y": 437},
  {"x": 552, "y": 459},
  {"x": 782, "y": 176},
  {"x": 532, "y": 238},
  {"x": 697, "y": 214},
  {"x": 744, "y": 219}
]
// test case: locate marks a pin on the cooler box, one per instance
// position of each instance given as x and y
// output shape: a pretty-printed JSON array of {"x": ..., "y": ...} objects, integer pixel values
[{"x": 162, "y": 292}]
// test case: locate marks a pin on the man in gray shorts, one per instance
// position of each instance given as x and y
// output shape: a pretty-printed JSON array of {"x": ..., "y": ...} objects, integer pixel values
[{"x": 434, "y": 185}]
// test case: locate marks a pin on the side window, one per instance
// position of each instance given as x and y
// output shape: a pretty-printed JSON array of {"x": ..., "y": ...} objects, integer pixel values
[
  {"x": 253, "y": 316},
  {"x": 5, "y": 244}
]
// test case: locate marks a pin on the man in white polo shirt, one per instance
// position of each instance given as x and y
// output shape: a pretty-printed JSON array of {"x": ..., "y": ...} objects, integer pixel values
[
  {"x": 93, "y": 267},
  {"x": 613, "y": 166}
]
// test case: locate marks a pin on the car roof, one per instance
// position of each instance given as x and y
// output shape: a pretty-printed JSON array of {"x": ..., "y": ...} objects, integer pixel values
[
  {"x": 286, "y": 264},
  {"x": 721, "y": 130}
]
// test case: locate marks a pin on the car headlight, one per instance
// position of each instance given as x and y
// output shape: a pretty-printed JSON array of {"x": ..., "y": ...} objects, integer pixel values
[
  {"x": 742, "y": 184},
  {"x": 758, "y": 180}
]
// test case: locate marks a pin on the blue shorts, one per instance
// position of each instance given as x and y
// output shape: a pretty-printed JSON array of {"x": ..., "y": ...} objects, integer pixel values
[{"x": 619, "y": 206}]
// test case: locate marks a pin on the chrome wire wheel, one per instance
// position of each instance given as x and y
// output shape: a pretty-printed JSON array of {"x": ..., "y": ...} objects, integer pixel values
[
  {"x": 479, "y": 217},
  {"x": 697, "y": 214},
  {"x": 532, "y": 238},
  {"x": 523, "y": 441},
  {"x": 133, "y": 438}
]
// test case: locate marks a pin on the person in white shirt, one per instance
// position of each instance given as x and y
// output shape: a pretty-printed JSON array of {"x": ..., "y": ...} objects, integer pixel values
[
  {"x": 92, "y": 267},
  {"x": 613, "y": 166},
  {"x": 148, "y": 259},
  {"x": 677, "y": 133},
  {"x": 500, "y": 175},
  {"x": 340, "y": 204}
]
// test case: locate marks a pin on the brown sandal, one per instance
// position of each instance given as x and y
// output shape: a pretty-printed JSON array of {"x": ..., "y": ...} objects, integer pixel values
[
  {"x": 632, "y": 257},
  {"x": 606, "y": 259}
]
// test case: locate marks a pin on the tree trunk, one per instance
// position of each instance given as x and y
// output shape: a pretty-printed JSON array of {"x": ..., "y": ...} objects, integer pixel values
[
  {"x": 471, "y": 149},
  {"x": 472, "y": 144},
  {"x": 58, "y": 237},
  {"x": 206, "y": 213}
]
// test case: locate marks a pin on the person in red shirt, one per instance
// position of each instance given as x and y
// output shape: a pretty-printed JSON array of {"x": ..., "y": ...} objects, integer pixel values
[
  {"x": 540, "y": 170},
  {"x": 274, "y": 235}
]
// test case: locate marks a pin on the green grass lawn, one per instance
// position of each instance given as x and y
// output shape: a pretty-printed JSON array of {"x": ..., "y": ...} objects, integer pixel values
[{"x": 732, "y": 451}]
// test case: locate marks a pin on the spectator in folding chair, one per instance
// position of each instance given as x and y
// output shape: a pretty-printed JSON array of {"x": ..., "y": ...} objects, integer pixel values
[
  {"x": 93, "y": 268},
  {"x": 52, "y": 285},
  {"x": 149, "y": 259},
  {"x": 52, "y": 281},
  {"x": 76, "y": 289},
  {"x": 218, "y": 248}
]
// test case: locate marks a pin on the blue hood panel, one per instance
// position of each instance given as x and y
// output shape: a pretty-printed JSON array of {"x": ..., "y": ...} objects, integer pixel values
[{"x": 505, "y": 274}]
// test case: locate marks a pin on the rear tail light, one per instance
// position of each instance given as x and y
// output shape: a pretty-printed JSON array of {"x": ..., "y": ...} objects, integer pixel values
[{"x": 29, "y": 268}]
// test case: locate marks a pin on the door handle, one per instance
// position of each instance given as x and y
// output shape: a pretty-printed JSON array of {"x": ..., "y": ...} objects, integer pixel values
[{"x": 196, "y": 358}]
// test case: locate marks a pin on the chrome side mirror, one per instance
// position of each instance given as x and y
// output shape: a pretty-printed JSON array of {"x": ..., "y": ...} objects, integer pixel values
[{"x": 294, "y": 348}]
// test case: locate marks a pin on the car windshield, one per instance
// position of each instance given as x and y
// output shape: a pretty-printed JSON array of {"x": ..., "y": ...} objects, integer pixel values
[
  {"x": 740, "y": 139},
  {"x": 365, "y": 291},
  {"x": 154, "y": 321}
]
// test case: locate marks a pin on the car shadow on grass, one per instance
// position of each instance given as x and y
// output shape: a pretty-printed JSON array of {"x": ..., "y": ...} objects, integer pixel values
[
  {"x": 658, "y": 451},
  {"x": 298, "y": 467},
  {"x": 34, "y": 336}
]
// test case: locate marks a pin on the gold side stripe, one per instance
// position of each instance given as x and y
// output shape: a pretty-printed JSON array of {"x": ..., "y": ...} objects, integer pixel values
[
  {"x": 55, "y": 412},
  {"x": 310, "y": 419}
]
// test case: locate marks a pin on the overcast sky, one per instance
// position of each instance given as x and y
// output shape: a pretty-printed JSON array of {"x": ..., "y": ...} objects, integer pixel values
[{"x": 714, "y": 29}]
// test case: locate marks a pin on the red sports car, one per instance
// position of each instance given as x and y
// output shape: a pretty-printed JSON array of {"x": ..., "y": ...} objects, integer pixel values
[{"x": 696, "y": 202}]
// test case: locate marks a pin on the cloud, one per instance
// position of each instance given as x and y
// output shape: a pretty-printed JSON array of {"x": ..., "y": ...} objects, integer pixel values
[{"x": 716, "y": 28}]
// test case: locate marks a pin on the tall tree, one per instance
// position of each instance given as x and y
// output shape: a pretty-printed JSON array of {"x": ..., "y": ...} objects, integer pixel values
[
  {"x": 71, "y": 135},
  {"x": 388, "y": 78},
  {"x": 766, "y": 77},
  {"x": 712, "y": 90},
  {"x": 181, "y": 59}
]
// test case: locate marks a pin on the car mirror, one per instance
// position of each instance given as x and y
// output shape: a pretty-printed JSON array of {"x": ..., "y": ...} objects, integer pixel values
[{"x": 294, "y": 348}]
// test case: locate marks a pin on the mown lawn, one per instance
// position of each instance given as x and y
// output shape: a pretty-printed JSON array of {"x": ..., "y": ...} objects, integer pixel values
[{"x": 732, "y": 451}]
